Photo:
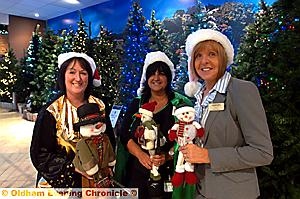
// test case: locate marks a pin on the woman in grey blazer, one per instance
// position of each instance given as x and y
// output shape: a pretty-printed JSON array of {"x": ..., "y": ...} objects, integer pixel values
[{"x": 237, "y": 138}]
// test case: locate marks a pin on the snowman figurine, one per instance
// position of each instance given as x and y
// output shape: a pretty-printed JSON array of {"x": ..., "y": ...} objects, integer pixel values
[
  {"x": 147, "y": 134},
  {"x": 94, "y": 152},
  {"x": 184, "y": 132}
]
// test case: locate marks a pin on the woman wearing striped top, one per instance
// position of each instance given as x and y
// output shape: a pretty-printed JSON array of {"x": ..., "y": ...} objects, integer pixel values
[{"x": 237, "y": 138}]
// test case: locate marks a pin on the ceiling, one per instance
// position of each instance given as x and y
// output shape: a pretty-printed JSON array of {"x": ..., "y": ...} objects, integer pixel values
[{"x": 47, "y": 9}]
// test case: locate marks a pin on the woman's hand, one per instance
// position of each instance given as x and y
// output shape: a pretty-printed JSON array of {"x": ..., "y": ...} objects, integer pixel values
[
  {"x": 136, "y": 150},
  {"x": 195, "y": 154},
  {"x": 158, "y": 160},
  {"x": 144, "y": 159}
]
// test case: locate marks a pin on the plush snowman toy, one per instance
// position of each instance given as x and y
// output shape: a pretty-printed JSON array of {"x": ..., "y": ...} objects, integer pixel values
[
  {"x": 184, "y": 132},
  {"x": 94, "y": 152},
  {"x": 147, "y": 133}
]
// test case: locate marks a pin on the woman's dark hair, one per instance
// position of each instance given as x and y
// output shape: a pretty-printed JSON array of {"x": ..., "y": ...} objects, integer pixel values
[
  {"x": 161, "y": 67},
  {"x": 61, "y": 75}
]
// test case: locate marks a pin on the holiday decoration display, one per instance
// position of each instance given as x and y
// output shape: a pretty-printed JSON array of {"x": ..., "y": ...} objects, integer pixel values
[
  {"x": 268, "y": 56},
  {"x": 184, "y": 132},
  {"x": 94, "y": 152}
]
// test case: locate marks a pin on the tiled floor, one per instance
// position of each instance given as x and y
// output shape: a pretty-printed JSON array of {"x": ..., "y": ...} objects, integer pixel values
[{"x": 16, "y": 170}]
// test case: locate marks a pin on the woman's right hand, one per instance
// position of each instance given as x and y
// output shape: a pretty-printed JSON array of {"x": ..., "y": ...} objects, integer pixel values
[
  {"x": 144, "y": 159},
  {"x": 142, "y": 156}
]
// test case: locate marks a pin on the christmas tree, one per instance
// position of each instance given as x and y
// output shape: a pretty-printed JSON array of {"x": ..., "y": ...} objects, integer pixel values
[
  {"x": 108, "y": 61},
  {"x": 67, "y": 40},
  {"x": 157, "y": 35},
  {"x": 181, "y": 72},
  {"x": 80, "y": 39},
  {"x": 45, "y": 73},
  {"x": 268, "y": 56},
  {"x": 28, "y": 66},
  {"x": 135, "y": 50},
  {"x": 8, "y": 76}
]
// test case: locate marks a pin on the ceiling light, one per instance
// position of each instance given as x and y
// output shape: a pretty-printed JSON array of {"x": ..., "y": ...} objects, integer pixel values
[
  {"x": 36, "y": 14},
  {"x": 72, "y": 1}
]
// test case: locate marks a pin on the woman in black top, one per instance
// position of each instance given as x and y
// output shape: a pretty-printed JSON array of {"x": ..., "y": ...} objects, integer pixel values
[
  {"x": 54, "y": 139},
  {"x": 155, "y": 85}
]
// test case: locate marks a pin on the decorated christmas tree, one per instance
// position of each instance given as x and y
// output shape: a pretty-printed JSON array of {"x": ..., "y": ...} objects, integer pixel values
[
  {"x": 108, "y": 61},
  {"x": 28, "y": 66},
  {"x": 268, "y": 56},
  {"x": 67, "y": 37},
  {"x": 181, "y": 72},
  {"x": 45, "y": 73},
  {"x": 157, "y": 35},
  {"x": 81, "y": 37},
  {"x": 135, "y": 50},
  {"x": 8, "y": 76}
]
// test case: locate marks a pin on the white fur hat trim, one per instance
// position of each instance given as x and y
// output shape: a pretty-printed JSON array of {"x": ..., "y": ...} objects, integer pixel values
[
  {"x": 208, "y": 34},
  {"x": 150, "y": 59},
  {"x": 66, "y": 56},
  {"x": 190, "y": 88},
  {"x": 146, "y": 112}
]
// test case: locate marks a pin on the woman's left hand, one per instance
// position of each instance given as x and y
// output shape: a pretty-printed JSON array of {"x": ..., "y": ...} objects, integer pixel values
[
  {"x": 195, "y": 154},
  {"x": 158, "y": 160}
]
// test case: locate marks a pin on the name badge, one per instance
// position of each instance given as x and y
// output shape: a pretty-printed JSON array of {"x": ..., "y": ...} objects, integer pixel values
[{"x": 216, "y": 107}]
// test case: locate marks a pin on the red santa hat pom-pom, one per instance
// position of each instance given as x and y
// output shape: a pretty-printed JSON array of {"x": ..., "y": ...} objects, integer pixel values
[
  {"x": 97, "y": 79},
  {"x": 191, "y": 88}
]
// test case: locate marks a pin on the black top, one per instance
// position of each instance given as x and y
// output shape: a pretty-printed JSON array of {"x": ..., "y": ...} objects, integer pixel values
[{"x": 136, "y": 174}]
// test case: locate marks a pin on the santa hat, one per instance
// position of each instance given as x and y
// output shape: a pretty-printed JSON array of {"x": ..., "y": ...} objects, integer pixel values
[
  {"x": 66, "y": 56},
  {"x": 148, "y": 108},
  {"x": 192, "y": 40},
  {"x": 150, "y": 59}
]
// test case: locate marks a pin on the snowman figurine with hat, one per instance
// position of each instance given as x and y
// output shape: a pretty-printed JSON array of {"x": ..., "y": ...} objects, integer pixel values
[
  {"x": 94, "y": 152},
  {"x": 184, "y": 131},
  {"x": 147, "y": 134}
]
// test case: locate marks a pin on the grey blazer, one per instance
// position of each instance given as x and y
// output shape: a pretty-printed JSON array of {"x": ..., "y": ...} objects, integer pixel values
[{"x": 238, "y": 140}]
